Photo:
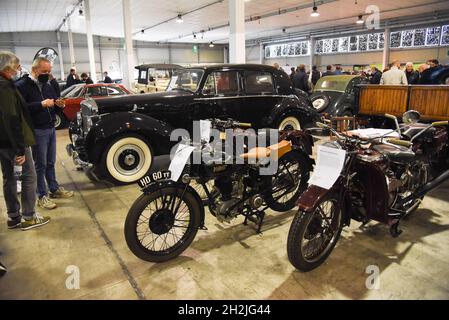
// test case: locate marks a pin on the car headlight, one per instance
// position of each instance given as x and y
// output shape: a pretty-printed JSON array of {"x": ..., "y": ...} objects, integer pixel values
[
  {"x": 79, "y": 119},
  {"x": 89, "y": 122}
]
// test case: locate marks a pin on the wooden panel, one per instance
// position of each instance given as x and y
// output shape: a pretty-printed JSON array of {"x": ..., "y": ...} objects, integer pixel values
[
  {"x": 431, "y": 101},
  {"x": 381, "y": 99}
]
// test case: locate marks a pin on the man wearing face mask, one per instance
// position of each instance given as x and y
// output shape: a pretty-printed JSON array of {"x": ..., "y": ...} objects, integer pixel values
[
  {"x": 16, "y": 137},
  {"x": 42, "y": 102}
]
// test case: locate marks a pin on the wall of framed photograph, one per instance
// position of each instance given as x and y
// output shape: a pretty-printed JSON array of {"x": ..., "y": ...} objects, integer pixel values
[{"x": 413, "y": 38}]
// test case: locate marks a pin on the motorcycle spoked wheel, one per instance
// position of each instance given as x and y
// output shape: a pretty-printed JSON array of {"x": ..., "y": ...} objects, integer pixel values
[
  {"x": 313, "y": 235},
  {"x": 155, "y": 230},
  {"x": 289, "y": 182}
]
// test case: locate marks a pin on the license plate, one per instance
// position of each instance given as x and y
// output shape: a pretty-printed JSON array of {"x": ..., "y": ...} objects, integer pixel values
[{"x": 154, "y": 177}]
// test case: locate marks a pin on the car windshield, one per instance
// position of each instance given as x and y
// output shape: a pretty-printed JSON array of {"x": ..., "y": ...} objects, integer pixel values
[
  {"x": 338, "y": 83},
  {"x": 187, "y": 80},
  {"x": 66, "y": 91},
  {"x": 75, "y": 92}
]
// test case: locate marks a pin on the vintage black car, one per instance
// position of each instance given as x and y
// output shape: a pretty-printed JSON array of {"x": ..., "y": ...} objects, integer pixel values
[
  {"x": 336, "y": 95},
  {"x": 119, "y": 137}
]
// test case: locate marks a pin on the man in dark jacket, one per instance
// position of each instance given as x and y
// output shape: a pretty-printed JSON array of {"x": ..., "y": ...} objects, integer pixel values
[
  {"x": 376, "y": 75},
  {"x": 301, "y": 80},
  {"x": 72, "y": 79},
  {"x": 16, "y": 137},
  {"x": 328, "y": 72},
  {"x": 86, "y": 79},
  {"x": 107, "y": 79},
  {"x": 316, "y": 75},
  {"x": 41, "y": 102},
  {"x": 411, "y": 74}
]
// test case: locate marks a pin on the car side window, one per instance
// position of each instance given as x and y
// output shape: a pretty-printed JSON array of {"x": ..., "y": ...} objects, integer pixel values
[
  {"x": 225, "y": 83},
  {"x": 94, "y": 91},
  {"x": 259, "y": 83},
  {"x": 114, "y": 91}
]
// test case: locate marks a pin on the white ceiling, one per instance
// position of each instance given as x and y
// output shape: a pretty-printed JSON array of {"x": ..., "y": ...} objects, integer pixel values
[{"x": 107, "y": 16}]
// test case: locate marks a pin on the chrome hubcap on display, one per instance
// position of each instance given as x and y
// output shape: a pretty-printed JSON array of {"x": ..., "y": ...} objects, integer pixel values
[{"x": 129, "y": 159}]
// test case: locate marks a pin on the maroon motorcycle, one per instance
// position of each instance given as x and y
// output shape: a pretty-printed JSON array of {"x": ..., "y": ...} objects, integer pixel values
[{"x": 382, "y": 179}]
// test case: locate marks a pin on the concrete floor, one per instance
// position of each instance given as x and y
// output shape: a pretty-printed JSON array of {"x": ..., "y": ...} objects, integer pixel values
[{"x": 225, "y": 262}]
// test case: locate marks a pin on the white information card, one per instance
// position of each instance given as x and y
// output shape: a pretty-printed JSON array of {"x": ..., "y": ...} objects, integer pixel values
[
  {"x": 179, "y": 161},
  {"x": 330, "y": 162}
]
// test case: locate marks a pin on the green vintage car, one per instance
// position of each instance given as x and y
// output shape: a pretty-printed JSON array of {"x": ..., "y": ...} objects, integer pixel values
[{"x": 336, "y": 95}]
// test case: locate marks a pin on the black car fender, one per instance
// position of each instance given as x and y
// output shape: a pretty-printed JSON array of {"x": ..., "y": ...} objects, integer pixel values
[
  {"x": 155, "y": 187},
  {"x": 300, "y": 107},
  {"x": 114, "y": 124}
]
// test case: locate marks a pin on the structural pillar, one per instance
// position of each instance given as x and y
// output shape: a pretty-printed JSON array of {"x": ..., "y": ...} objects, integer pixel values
[
  {"x": 386, "y": 55},
  {"x": 70, "y": 38},
  {"x": 237, "y": 49},
  {"x": 90, "y": 42},
  {"x": 261, "y": 53},
  {"x": 61, "y": 62},
  {"x": 312, "y": 53},
  {"x": 129, "y": 48}
]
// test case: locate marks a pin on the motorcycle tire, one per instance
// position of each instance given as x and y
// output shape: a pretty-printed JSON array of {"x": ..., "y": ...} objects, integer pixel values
[
  {"x": 299, "y": 231},
  {"x": 289, "y": 160},
  {"x": 161, "y": 223}
]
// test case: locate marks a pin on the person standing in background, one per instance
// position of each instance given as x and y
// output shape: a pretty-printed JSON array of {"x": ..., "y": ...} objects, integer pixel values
[
  {"x": 86, "y": 79},
  {"x": 16, "y": 138},
  {"x": 292, "y": 74},
  {"x": 41, "y": 102},
  {"x": 376, "y": 75},
  {"x": 300, "y": 80},
  {"x": 328, "y": 71},
  {"x": 107, "y": 79},
  {"x": 72, "y": 78},
  {"x": 412, "y": 75},
  {"x": 394, "y": 76},
  {"x": 338, "y": 70},
  {"x": 315, "y": 75}
]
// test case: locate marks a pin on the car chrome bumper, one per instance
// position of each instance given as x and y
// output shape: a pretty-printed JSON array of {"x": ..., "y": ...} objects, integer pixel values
[{"x": 76, "y": 159}]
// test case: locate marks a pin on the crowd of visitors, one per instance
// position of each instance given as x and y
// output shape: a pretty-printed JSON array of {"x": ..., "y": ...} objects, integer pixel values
[{"x": 394, "y": 74}]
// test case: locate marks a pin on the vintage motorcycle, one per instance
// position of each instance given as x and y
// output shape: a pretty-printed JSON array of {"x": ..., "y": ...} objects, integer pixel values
[
  {"x": 165, "y": 219},
  {"x": 383, "y": 179}
]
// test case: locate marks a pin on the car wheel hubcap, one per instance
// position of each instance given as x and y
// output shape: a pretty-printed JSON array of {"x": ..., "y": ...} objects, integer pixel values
[
  {"x": 129, "y": 160},
  {"x": 58, "y": 121}
]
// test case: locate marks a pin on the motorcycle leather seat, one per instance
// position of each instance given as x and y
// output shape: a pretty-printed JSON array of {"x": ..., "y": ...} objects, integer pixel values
[
  {"x": 280, "y": 148},
  {"x": 396, "y": 154}
]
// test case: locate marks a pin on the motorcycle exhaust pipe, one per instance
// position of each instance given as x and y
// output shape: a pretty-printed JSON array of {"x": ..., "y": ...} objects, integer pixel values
[{"x": 426, "y": 188}]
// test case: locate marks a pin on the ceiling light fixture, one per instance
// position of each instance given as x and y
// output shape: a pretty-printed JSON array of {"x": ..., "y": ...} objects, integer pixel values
[
  {"x": 315, "y": 12},
  {"x": 360, "y": 20},
  {"x": 179, "y": 19},
  {"x": 143, "y": 31},
  {"x": 211, "y": 44}
]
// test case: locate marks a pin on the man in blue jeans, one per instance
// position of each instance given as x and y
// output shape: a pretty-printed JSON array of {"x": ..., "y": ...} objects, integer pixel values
[{"x": 42, "y": 101}]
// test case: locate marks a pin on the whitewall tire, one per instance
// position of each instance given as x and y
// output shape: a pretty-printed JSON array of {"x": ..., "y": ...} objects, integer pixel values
[
  {"x": 290, "y": 123},
  {"x": 128, "y": 159}
]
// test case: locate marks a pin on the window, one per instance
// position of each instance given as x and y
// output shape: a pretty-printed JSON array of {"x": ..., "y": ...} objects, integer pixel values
[
  {"x": 222, "y": 84},
  {"x": 420, "y": 38},
  {"x": 96, "y": 91},
  {"x": 319, "y": 46},
  {"x": 259, "y": 83},
  {"x": 143, "y": 77},
  {"x": 115, "y": 91},
  {"x": 381, "y": 40}
]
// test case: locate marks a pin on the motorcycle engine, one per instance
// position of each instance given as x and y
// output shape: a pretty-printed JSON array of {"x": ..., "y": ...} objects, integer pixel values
[
  {"x": 403, "y": 179},
  {"x": 226, "y": 195}
]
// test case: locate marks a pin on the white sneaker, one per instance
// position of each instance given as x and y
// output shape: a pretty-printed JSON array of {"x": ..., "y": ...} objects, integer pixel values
[{"x": 46, "y": 203}]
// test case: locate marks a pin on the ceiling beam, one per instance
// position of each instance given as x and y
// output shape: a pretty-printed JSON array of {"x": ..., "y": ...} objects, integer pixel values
[{"x": 67, "y": 16}]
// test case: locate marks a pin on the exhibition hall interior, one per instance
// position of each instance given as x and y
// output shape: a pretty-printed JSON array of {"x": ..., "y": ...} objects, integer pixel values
[{"x": 224, "y": 150}]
